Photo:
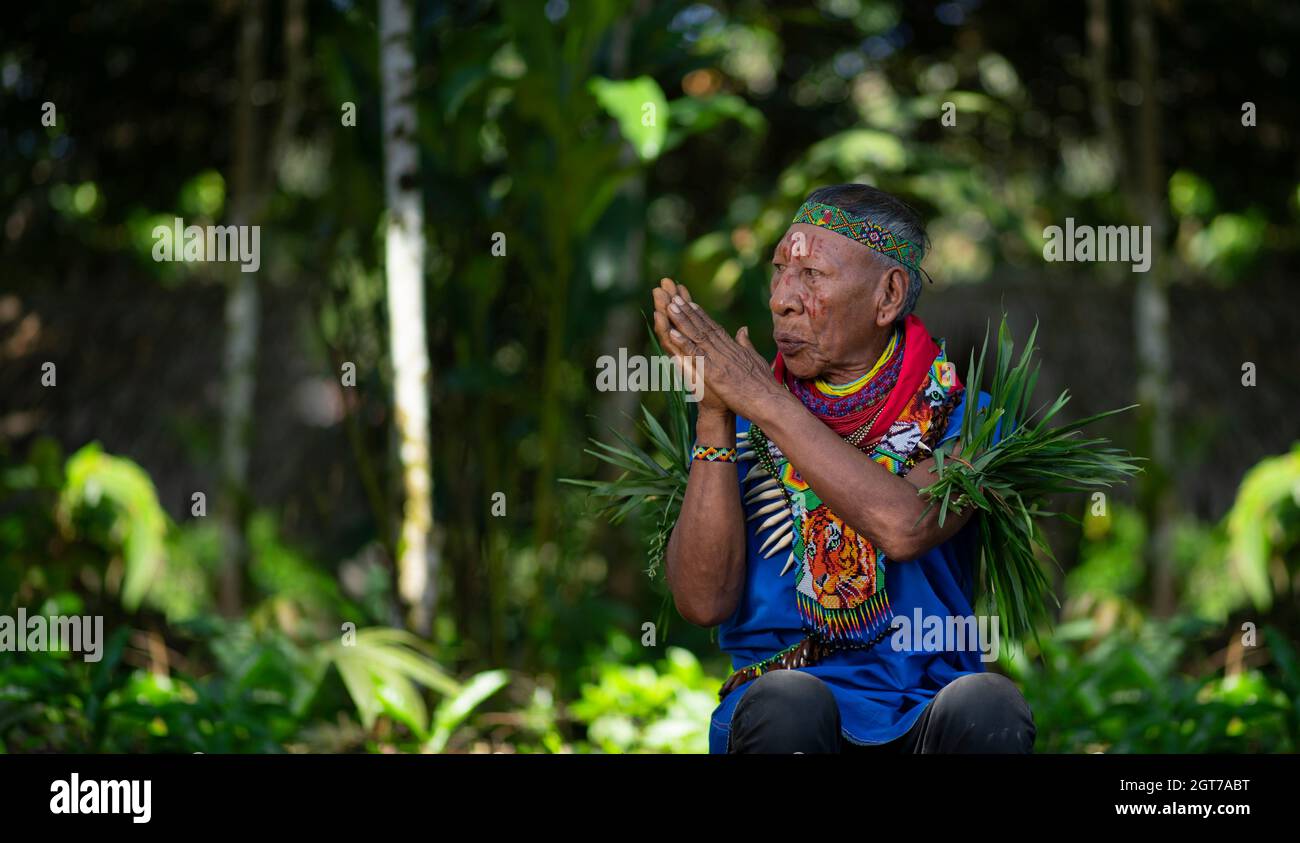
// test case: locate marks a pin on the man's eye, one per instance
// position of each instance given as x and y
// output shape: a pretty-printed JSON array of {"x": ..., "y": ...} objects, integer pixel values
[
  {"x": 813, "y": 273},
  {"x": 778, "y": 268}
]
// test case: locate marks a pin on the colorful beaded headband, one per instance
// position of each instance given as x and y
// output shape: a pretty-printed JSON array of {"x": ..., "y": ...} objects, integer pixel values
[{"x": 862, "y": 230}]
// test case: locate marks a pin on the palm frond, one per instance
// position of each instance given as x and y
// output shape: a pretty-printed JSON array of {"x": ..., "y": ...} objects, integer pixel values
[
  {"x": 654, "y": 480},
  {"x": 1009, "y": 479}
]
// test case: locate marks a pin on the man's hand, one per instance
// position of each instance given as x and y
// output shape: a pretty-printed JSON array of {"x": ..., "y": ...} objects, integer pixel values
[
  {"x": 711, "y": 406},
  {"x": 735, "y": 375}
]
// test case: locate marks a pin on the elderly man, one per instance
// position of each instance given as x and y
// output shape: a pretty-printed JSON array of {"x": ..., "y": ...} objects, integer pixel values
[{"x": 801, "y": 534}]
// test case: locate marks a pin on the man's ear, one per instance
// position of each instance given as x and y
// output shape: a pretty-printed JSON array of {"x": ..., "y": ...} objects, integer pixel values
[{"x": 892, "y": 295}]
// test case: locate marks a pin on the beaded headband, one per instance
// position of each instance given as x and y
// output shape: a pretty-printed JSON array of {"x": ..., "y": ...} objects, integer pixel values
[{"x": 864, "y": 231}]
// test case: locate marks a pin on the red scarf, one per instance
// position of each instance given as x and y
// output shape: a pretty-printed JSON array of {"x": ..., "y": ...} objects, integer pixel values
[{"x": 918, "y": 350}]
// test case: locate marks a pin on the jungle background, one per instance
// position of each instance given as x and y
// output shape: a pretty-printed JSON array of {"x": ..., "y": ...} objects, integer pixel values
[{"x": 545, "y": 207}]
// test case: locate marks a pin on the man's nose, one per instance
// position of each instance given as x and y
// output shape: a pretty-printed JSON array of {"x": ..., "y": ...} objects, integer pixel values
[{"x": 785, "y": 294}]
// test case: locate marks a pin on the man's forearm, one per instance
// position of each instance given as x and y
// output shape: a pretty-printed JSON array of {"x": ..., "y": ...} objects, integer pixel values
[
  {"x": 873, "y": 501},
  {"x": 705, "y": 557}
]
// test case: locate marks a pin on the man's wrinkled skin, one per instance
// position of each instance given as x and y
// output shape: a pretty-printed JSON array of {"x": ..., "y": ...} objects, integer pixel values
[{"x": 834, "y": 302}]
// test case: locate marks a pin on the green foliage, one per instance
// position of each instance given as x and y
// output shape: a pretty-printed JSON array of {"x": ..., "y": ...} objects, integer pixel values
[
  {"x": 383, "y": 671},
  {"x": 184, "y": 588},
  {"x": 1010, "y": 480},
  {"x": 1109, "y": 558},
  {"x": 1247, "y": 559},
  {"x": 640, "y": 108},
  {"x": 1263, "y": 527},
  {"x": 29, "y": 490},
  {"x": 1229, "y": 245},
  {"x": 241, "y": 686},
  {"x": 288, "y": 576},
  {"x": 55, "y": 702},
  {"x": 454, "y": 710},
  {"x": 649, "y": 708},
  {"x": 651, "y": 480},
  {"x": 755, "y": 105},
  {"x": 266, "y": 693},
  {"x": 112, "y": 501},
  {"x": 1124, "y": 691},
  {"x": 1111, "y": 680},
  {"x": 76, "y": 202},
  {"x": 1190, "y": 195},
  {"x": 204, "y": 195},
  {"x": 691, "y": 115}
]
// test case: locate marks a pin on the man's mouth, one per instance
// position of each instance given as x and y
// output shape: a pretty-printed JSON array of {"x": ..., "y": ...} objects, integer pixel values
[{"x": 788, "y": 343}]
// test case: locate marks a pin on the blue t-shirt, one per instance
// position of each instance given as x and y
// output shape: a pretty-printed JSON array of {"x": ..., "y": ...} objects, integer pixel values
[{"x": 882, "y": 691}]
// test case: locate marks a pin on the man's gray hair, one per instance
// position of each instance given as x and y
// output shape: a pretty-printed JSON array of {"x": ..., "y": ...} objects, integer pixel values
[{"x": 888, "y": 211}]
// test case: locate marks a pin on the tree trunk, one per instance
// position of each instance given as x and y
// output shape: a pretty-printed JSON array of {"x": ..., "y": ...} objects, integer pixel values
[
  {"x": 1151, "y": 321},
  {"x": 243, "y": 307},
  {"x": 1100, "y": 83},
  {"x": 404, "y": 269}
]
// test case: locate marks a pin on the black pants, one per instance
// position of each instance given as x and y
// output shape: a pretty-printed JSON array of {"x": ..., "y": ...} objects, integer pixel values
[{"x": 788, "y": 711}]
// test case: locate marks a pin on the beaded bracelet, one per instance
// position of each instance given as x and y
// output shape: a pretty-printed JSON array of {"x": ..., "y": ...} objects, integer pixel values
[{"x": 711, "y": 454}]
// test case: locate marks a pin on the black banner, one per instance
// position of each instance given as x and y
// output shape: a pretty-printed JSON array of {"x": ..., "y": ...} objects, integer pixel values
[{"x": 374, "y": 792}]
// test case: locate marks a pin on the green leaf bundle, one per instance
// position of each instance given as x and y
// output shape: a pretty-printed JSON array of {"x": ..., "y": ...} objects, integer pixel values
[{"x": 1011, "y": 480}]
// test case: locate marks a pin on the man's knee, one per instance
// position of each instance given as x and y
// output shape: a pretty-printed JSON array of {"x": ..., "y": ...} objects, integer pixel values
[
  {"x": 982, "y": 712},
  {"x": 786, "y": 711}
]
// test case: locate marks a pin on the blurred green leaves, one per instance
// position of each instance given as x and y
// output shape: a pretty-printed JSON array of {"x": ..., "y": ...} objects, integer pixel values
[
  {"x": 77, "y": 201},
  {"x": 663, "y": 707},
  {"x": 1223, "y": 245},
  {"x": 204, "y": 195},
  {"x": 112, "y": 500},
  {"x": 1124, "y": 691},
  {"x": 639, "y": 107},
  {"x": 1263, "y": 527},
  {"x": 1190, "y": 195},
  {"x": 1229, "y": 245},
  {"x": 694, "y": 115},
  {"x": 455, "y": 708},
  {"x": 384, "y": 671},
  {"x": 269, "y": 674}
]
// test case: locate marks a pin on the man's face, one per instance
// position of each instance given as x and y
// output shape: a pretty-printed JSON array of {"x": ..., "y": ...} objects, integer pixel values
[{"x": 827, "y": 304}]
